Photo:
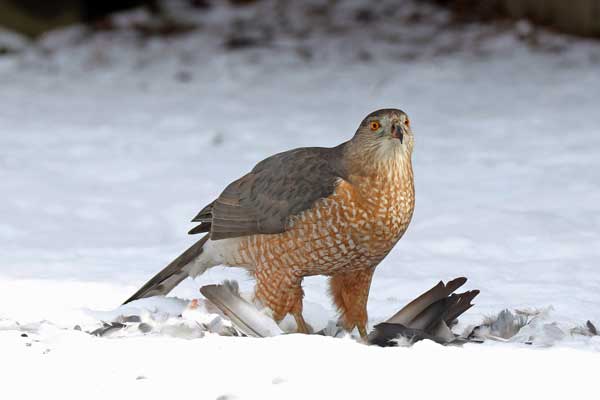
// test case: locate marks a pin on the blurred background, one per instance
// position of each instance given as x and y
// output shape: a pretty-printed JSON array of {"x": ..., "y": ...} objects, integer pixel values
[
  {"x": 33, "y": 18},
  {"x": 120, "y": 120}
]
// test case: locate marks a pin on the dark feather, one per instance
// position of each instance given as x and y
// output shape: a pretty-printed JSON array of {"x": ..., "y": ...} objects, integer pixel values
[
  {"x": 278, "y": 188},
  {"x": 205, "y": 214},
  {"x": 163, "y": 282},
  {"x": 462, "y": 304},
  {"x": 426, "y": 317},
  {"x": 203, "y": 227},
  {"x": 387, "y": 333},
  {"x": 409, "y": 312},
  {"x": 107, "y": 328},
  {"x": 591, "y": 328},
  {"x": 432, "y": 315}
]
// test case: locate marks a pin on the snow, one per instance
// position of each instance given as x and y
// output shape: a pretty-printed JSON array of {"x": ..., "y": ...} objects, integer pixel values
[
  {"x": 110, "y": 143},
  {"x": 292, "y": 366}
]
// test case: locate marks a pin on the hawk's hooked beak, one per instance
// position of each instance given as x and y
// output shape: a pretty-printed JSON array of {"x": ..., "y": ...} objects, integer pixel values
[{"x": 398, "y": 132}]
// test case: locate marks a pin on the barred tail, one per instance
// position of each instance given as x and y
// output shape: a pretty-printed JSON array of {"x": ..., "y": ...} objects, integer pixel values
[{"x": 166, "y": 280}]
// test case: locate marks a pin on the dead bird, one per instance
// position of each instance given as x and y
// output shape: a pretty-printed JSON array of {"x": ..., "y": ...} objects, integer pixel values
[
  {"x": 429, "y": 316},
  {"x": 500, "y": 327}
]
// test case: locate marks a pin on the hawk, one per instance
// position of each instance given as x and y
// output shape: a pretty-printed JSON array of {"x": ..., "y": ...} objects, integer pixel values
[{"x": 309, "y": 211}]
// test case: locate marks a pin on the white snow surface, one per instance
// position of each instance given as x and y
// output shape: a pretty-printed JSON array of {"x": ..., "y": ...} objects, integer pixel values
[{"x": 110, "y": 143}]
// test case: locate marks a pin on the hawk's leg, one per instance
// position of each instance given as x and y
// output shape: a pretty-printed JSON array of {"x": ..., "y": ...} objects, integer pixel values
[
  {"x": 350, "y": 291},
  {"x": 282, "y": 292}
]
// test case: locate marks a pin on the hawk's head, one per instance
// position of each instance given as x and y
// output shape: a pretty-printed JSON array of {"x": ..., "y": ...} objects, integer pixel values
[{"x": 384, "y": 135}]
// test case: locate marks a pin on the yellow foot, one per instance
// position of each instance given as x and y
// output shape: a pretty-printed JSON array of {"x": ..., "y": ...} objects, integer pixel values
[
  {"x": 301, "y": 324},
  {"x": 362, "y": 331}
]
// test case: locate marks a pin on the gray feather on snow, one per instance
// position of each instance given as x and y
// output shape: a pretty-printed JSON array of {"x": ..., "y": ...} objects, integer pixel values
[
  {"x": 426, "y": 317},
  {"x": 244, "y": 315}
]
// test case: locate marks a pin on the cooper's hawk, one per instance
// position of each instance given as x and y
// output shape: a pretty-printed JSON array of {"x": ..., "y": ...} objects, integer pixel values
[{"x": 310, "y": 211}]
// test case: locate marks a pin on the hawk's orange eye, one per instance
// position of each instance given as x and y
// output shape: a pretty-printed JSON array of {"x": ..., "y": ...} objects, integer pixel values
[
  {"x": 407, "y": 122},
  {"x": 374, "y": 125}
]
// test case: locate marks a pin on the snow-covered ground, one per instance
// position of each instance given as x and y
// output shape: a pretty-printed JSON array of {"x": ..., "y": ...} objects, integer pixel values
[{"x": 110, "y": 143}]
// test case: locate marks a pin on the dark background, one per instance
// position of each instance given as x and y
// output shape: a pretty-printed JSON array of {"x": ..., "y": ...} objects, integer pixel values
[{"x": 578, "y": 17}]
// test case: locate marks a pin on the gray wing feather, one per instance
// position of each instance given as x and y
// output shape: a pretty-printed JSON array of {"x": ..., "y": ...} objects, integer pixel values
[
  {"x": 276, "y": 189},
  {"x": 413, "y": 309},
  {"x": 244, "y": 315},
  {"x": 170, "y": 276},
  {"x": 426, "y": 317},
  {"x": 462, "y": 304}
]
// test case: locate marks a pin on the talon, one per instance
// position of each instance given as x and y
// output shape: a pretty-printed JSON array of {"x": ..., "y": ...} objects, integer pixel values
[
  {"x": 302, "y": 326},
  {"x": 362, "y": 331}
]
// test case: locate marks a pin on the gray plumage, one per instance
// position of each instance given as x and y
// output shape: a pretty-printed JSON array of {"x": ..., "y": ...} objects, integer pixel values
[
  {"x": 506, "y": 324},
  {"x": 277, "y": 188},
  {"x": 265, "y": 200},
  {"x": 413, "y": 309},
  {"x": 261, "y": 201},
  {"x": 244, "y": 315},
  {"x": 591, "y": 328},
  {"x": 426, "y": 317},
  {"x": 171, "y": 275}
]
